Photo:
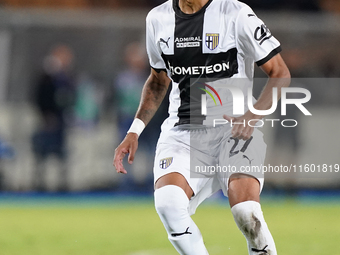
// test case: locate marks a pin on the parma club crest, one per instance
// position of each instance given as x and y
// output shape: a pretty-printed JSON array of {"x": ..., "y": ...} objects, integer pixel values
[
  {"x": 165, "y": 162},
  {"x": 212, "y": 40}
]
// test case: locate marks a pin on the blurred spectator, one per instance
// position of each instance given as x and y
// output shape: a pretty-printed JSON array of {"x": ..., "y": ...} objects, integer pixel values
[
  {"x": 89, "y": 99},
  {"x": 128, "y": 87},
  {"x": 129, "y": 84},
  {"x": 53, "y": 98}
]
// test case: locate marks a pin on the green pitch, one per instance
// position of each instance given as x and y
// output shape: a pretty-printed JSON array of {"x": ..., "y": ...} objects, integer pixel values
[{"x": 120, "y": 228}]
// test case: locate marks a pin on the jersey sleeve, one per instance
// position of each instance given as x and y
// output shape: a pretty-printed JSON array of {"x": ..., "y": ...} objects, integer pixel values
[
  {"x": 153, "y": 50},
  {"x": 254, "y": 40}
]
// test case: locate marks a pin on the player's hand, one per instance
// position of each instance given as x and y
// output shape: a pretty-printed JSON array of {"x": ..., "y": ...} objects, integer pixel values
[
  {"x": 128, "y": 146},
  {"x": 241, "y": 129}
]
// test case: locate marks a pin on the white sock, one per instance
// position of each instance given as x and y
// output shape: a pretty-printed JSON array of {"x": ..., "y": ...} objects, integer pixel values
[
  {"x": 249, "y": 219},
  {"x": 171, "y": 204}
]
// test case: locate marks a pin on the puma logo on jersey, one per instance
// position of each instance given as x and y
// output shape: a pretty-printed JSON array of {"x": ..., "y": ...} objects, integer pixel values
[
  {"x": 250, "y": 160},
  {"x": 165, "y": 42}
]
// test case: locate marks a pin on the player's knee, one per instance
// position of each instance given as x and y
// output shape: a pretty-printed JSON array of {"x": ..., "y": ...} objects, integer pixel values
[{"x": 171, "y": 203}]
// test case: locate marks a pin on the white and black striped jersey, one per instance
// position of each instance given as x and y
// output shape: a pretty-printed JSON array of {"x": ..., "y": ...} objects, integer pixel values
[{"x": 220, "y": 41}]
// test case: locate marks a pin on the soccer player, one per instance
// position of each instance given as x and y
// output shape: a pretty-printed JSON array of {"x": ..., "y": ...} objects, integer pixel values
[{"x": 218, "y": 41}]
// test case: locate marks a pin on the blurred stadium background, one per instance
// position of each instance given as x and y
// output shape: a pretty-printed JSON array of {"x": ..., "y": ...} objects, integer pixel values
[{"x": 57, "y": 183}]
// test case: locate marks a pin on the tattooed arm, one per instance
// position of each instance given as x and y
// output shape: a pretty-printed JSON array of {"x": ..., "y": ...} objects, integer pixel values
[{"x": 153, "y": 94}]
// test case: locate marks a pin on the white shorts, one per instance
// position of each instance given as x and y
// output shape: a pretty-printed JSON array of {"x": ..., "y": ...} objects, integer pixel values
[{"x": 207, "y": 157}]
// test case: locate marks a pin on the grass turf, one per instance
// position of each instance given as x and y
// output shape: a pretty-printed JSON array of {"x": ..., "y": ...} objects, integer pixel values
[{"x": 135, "y": 229}]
